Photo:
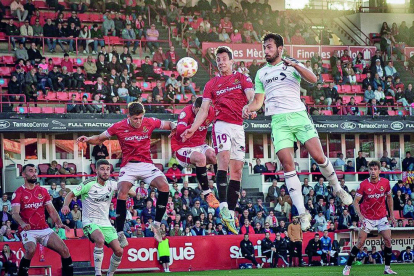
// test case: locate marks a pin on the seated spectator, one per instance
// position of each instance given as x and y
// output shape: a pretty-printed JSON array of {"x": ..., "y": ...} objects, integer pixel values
[
  {"x": 349, "y": 167},
  {"x": 9, "y": 236},
  {"x": 65, "y": 169},
  {"x": 5, "y": 215},
  {"x": 67, "y": 219},
  {"x": 108, "y": 25},
  {"x": 374, "y": 109},
  {"x": 77, "y": 216},
  {"x": 273, "y": 193},
  {"x": 314, "y": 248},
  {"x": 352, "y": 108},
  {"x": 297, "y": 38},
  {"x": 318, "y": 94},
  {"x": 9, "y": 260},
  {"x": 408, "y": 209},
  {"x": 174, "y": 175},
  {"x": 73, "y": 105},
  {"x": 320, "y": 189},
  {"x": 320, "y": 222},
  {"x": 17, "y": 10},
  {"x": 407, "y": 255},
  {"x": 129, "y": 35},
  {"x": 259, "y": 207},
  {"x": 345, "y": 220},
  {"x": 187, "y": 85},
  {"x": 259, "y": 168},
  {"x": 284, "y": 203},
  {"x": 390, "y": 70},
  {"x": 11, "y": 30},
  {"x": 148, "y": 70},
  {"x": 377, "y": 68},
  {"x": 349, "y": 74},
  {"x": 369, "y": 94},
  {"x": 337, "y": 73},
  {"x": 367, "y": 81},
  {"x": 161, "y": 58},
  {"x": 235, "y": 37},
  {"x": 124, "y": 94},
  {"x": 340, "y": 161},
  {"x": 152, "y": 35},
  {"x": 224, "y": 36},
  {"x": 97, "y": 36},
  {"x": 247, "y": 250},
  {"x": 197, "y": 230}
]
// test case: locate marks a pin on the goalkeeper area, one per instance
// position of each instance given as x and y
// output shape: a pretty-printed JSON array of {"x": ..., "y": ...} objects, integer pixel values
[{"x": 357, "y": 270}]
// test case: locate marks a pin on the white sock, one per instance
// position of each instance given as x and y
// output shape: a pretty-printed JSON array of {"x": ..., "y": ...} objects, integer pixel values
[
  {"x": 206, "y": 192},
  {"x": 223, "y": 205},
  {"x": 98, "y": 254},
  {"x": 295, "y": 191},
  {"x": 329, "y": 173},
  {"x": 115, "y": 261},
  {"x": 387, "y": 267}
]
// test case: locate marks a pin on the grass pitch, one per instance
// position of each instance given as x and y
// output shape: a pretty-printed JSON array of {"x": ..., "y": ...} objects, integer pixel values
[{"x": 361, "y": 270}]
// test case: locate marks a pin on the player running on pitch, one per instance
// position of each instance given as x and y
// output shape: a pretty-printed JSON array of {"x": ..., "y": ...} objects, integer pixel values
[
  {"x": 228, "y": 93},
  {"x": 29, "y": 202},
  {"x": 372, "y": 213},
  {"x": 134, "y": 135},
  {"x": 96, "y": 194},
  {"x": 279, "y": 83},
  {"x": 195, "y": 151}
]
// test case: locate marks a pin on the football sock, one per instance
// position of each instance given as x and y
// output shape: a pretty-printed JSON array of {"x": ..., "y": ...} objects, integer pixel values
[
  {"x": 161, "y": 205},
  {"x": 387, "y": 255},
  {"x": 329, "y": 173},
  {"x": 24, "y": 267},
  {"x": 202, "y": 178},
  {"x": 222, "y": 185},
  {"x": 215, "y": 168},
  {"x": 295, "y": 191},
  {"x": 98, "y": 254},
  {"x": 232, "y": 194},
  {"x": 120, "y": 214},
  {"x": 115, "y": 261},
  {"x": 67, "y": 267},
  {"x": 352, "y": 255}
]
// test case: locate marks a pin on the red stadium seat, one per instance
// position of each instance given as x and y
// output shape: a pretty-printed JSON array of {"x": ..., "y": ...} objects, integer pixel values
[
  {"x": 20, "y": 109},
  {"x": 70, "y": 234},
  {"x": 51, "y": 96},
  {"x": 47, "y": 110},
  {"x": 5, "y": 71},
  {"x": 43, "y": 168},
  {"x": 159, "y": 166},
  {"x": 327, "y": 78},
  {"x": 9, "y": 60},
  {"x": 72, "y": 166},
  {"x": 60, "y": 110},
  {"x": 62, "y": 96},
  {"x": 79, "y": 233},
  {"x": 346, "y": 88},
  {"x": 326, "y": 112},
  {"x": 270, "y": 166},
  {"x": 34, "y": 109},
  {"x": 392, "y": 112},
  {"x": 94, "y": 17},
  {"x": 356, "y": 89}
]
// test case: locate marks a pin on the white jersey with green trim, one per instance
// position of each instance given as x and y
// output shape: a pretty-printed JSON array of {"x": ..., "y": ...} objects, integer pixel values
[
  {"x": 96, "y": 200},
  {"x": 281, "y": 85}
]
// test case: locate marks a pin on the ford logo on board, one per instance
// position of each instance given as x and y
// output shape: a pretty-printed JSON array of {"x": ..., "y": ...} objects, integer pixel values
[
  {"x": 397, "y": 126},
  {"x": 348, "y": 126},
  {"x": 4, "y": 124}
]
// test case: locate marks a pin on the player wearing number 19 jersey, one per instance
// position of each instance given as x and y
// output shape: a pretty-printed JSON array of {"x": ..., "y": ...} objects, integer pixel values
[
  {"x": 228, "y": 93},
  {"x": 195, "y": 151},
  {"x": 278, "y": 85}
]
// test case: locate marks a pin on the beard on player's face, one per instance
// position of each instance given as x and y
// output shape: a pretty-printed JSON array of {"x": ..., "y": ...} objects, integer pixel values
[
  {"x": 273, "y": 58},
  {"x": 32, "y": 180}
]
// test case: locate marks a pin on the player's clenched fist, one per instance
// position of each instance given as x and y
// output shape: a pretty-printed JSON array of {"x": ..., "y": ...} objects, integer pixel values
[
  {"x": 82, "y": 139},
  {"x": 25, "y": 227},
  {"x": 247, "y": 113},
  {"x": 65, "y": 210}
]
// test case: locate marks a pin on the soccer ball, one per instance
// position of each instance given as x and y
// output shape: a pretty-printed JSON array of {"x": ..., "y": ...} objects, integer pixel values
[{"x": 187, "y": 67}]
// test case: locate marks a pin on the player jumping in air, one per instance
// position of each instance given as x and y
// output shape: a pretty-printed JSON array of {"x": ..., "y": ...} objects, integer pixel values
[
  {"x": 28, "y": 207},
  {"x": 228, "y": 93},
  {"x": 372, "y": 213},
  {"x": 96, "y": 194},
  {"x": 195, "y": 151},
  {"x": 279, "y": 82},
  {"x": 134, "y": 135}
]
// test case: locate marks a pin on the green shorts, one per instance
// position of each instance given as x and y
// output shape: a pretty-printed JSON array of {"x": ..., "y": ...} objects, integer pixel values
[
  {"x": 288, "y": 128},
  {"x": 108, "y": 232}
]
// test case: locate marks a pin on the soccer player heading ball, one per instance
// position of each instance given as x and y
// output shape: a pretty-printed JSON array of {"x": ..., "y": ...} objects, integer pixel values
[
  {"x": 279, "y": 82},
  {"x": 372, "y": 214},
  {"x": 134, "y": 135},
  {"x": 228, "y": 93}
]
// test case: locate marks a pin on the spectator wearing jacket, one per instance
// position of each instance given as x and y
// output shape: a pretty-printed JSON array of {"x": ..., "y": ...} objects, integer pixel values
[
  {"x": 281, "y": 248},
  {"x": 97, "y": 36},
  {"x": 129, "y": 35},
  {"x": 247, "y": 250},
  {"x": 21, "y": 52},
  {"x": 273, "y": 193},
  {"x": 11, "y": 30},
  {"x": 109, "y": 25},
  {"x": 314, "y": 248},
  {"x": 407, "y": 255},
  {"x": 17, "y": 10},
  {"x": 49, "y": 32},
  {"x": 331, "y": 95}
]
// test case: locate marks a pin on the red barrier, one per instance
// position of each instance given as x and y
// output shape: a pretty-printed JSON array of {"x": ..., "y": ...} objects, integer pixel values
[{"x": 197, "y": 253}]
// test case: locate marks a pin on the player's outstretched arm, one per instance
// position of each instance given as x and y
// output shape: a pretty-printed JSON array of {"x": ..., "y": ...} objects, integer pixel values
[
  {"x": 254, "y": 105},
  {"x": 308, "y": 75},
  {"x": 93, "y": 140},
  {"x": 55, "y": 216},
  {"x": 17, "y": 218},
  {"x": 68, "y": 199},
  {"x": 390, "y": 203},
  {"x": 199, "y": 120}
]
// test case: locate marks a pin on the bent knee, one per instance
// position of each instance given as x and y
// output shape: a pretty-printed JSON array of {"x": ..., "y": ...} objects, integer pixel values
[{"x": 118, "y": 252}]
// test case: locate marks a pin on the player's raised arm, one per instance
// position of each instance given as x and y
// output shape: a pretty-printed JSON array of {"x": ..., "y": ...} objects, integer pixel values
[
  {"x": 94, "y": 140},
  {"x": 307, "y": 74},
  {"x": 17, "y": 218},
  {"x": 199, "y": 120}
]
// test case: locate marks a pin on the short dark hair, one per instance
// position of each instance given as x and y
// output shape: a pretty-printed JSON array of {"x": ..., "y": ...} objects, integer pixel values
[
  {"x": 224, "y": 49},
  {"x": 102, "y": 162},
  {"x": 317, "y": 234},
  {"x": 278, "y": 39},
  {"x": 374, "y": 163},
  {"x": 27, "y": 165},
  {"x": 198, "y": 102},
  {"x": 136, "y": 108}
]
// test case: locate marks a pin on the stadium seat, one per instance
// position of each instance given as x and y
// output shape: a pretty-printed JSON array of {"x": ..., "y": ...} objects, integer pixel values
[
  {"x": 359, "y": 99},
  {"x": 270, "y": 166},
  {"x": 43, "y": 168},
  {"x": 72, "y": 166},
  {"x": 326, "y": 112},
  {"x": 159, "y": 166},
  {"x": 392, "y": 112},
  {"x": 35, "y": 109},
  {"x": 327, "y": 78},
  {"x": 60, "y": 110},
  {"x": 79, "y": 233},
  {"x": 47, "y": 110},
  {"x": 346, "y": 88},
  {"x": 356, "y": 89},
  {"x": 397, "y": 214},
  {"x": 20, "y": 109},
  {"x": 62, "y": 96},
  {"x": 51, "y": 96},
  {"x": 70, "y": 234},
  {"x": 9, "y": 60},
  {"x": 5, "y": 71}
]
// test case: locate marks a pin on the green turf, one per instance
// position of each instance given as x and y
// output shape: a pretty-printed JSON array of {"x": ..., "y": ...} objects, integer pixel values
[{"x": 362, "y": 270}]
